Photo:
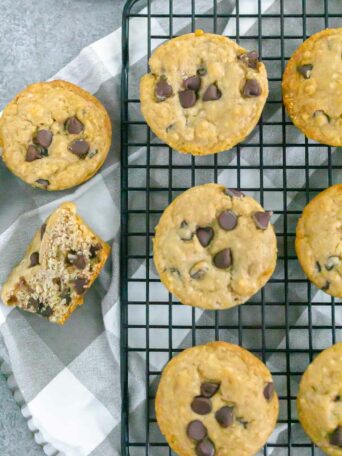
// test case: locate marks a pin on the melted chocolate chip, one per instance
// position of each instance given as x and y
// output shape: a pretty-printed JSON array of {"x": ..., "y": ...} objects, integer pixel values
[
  {"x": 223, "y": 259},
  {"x": 201, "y": 405},
  {"x": 336, "y": 437},
  {"x": 74, "y": 126},
  {"x": 66, "y": 295},
  {"x": 80, "y": 261},
  {"x": 251, "y": 88},
  {"x": 187, "y": 98},
  {"x": 43, "y": 138},
  {"x": 212, "y": 93},
  {"x": 205, "y": 235},
  {"x": 80, "y": 285},
  {"x": 198, "y": 270},
  {"x": 205, "y": 448},
  {"x": 196, "y": 430},
  {"x": 42, "y": 230},
  {"x": 227, "y": 220},
  {"x": 33, "y": 303},
  {"x": 201, "y": 71},
  {"x": 35, "y": 153},
  {"x": 34, "y": 259},
  {"x": 326, "y": 286},
  {"x": 232, "y": 192},
  {"x": 262, "y": 219},
  {"x": 45, "y": 311},
  {"x": 94, "y": 249},
  {"x": 250, "y": 59},
  {"x": 224, "y": 416},
  {"x": 269, "y": 391},
  {"x": 208, "y": 389},
  {"x": 43, "y": 182},
  {"x": 163, "y": 90},
  {"x": 79, "y": 147},
  {"x": 305, "y": 70},
  {"x": 192, "y": 83}
]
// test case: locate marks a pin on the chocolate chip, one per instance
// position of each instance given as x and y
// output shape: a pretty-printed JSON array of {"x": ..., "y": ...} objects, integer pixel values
[
  {"x": 33, "y": 303},
  {"x": 223, "y": 259},
  {"x": 205, "y": 448},
  {"x": 57, "y": 281},
  {"x": 208, "y": 389},
  {"x": 332, "y": 261},
  {"x": 43, "y": 138},
  {"x": 45, "y": 311},
  {"x": 80, "y": 261},
  {"x": 227, "y": 220},
  {"x": 318, "y": 266},
  {"x": 35, "y": 153},
  {"x": 80, "y": 285},
  {"x": 94, "y": 249},
  {"x": 66, "y": 295},
  {"x": 224, "y": 416},
  {"x": 232, "y": 192},
  {"x": 269, "y": 391},
  {"x": 251, "y": 88},
  {"x": 262, "y": 219},
  {"x": 305, "y": 70},
  {"x": 250, "y": 59},
  {"x": 205, "y": 235},
  {"x": 212, "y": 93},
  {"x": 201, "y": 71},
  {"x": 79, "y": 147},
  {"x": 42, "y": 230},
  {"x": 326, "y": 286},
  {"x": 192, "y": 83},
  {"x": 34, "y": 259},
  {"x": 43, "y": 182},
  {"x": 201, "y": 405},
  {"x": 74, "y": 126},
  {"x": 163, "y": 90},
  {"x": 196, "y": 430},
  {"x": 336, "y": 437},
  {"x": 187, "y": 98},
  {"x": 337, "y": 398},
  {"x": 198, "y": 270}
]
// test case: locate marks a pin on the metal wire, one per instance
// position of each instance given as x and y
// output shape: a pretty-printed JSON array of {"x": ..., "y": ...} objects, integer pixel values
[{"x": 293, "y": 441}]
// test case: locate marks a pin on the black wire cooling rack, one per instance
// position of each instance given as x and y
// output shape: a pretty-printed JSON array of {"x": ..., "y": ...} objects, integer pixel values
[{"x": 289, "y": 321}]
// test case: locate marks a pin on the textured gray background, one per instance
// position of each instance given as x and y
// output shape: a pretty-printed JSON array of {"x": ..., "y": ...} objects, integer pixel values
[{"x": 37, "y": 38}]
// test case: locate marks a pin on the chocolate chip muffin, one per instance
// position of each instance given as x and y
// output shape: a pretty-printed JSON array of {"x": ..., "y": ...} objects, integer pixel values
[
  {"x": 319, "y": 240},
  {"x": 312, "y": 87},
  {"x": 60, "y": 264},
  {"x": 204, "y": 93},
  {"x": 214, "y": 247},
  {"x": 216, "y": 399},
  {"x": 320, "y": 400},
  {"x": 54, "y": 135}
]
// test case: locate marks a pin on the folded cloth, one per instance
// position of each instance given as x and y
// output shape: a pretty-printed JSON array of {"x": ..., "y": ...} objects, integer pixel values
[{"x": 67, "y": 379}]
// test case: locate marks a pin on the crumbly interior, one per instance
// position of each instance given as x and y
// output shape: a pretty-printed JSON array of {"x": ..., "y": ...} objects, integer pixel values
[
  {"x": 319, "y": 240},
  {"x": 178, "y": 252},
  {"x": 47, "y": 106},
  {"x": 242, "y": 378},
  {"x": 320, "y": 398},
  {"x": 60, "y": 264},
  {"x": 208, "y": 126},
  {"x": 314, "y": 102}
]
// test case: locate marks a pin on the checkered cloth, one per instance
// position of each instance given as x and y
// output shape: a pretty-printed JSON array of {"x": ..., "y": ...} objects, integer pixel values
[{"x": 67, "y": 379}]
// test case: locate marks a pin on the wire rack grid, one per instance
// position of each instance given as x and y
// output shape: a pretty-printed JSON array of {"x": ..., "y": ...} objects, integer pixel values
[{"x": 289, "y": 321}]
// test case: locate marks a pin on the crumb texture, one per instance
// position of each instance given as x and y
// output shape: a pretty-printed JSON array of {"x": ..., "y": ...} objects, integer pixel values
[{"x": 60, "y": 264}]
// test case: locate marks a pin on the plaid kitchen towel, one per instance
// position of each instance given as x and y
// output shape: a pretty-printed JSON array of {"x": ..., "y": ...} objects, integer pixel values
[{"x": 67, "y": 379}]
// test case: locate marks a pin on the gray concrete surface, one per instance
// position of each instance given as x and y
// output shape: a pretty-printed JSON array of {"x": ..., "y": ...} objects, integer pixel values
[{"x": 37, "y": 38}]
